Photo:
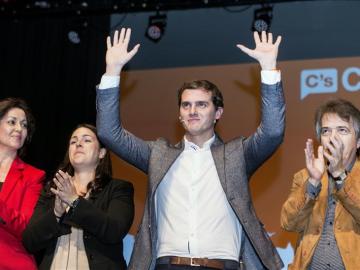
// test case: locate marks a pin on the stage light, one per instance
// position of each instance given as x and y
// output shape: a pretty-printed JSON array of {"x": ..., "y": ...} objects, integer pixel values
[
  {"x": 262, "y": 18},
  {"x": 156, "y": 27},
  {"x": 42, "y": 4},
  {"x": 77, "y": 29},
  {"x": 74, "y": 37}
]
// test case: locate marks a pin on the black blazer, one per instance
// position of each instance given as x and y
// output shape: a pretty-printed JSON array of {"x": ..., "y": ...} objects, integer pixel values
[{"x": 105, "y": 218}]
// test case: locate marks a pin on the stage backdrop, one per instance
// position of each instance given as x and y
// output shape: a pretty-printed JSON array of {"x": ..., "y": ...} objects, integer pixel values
[{"x": 149, "y": 110}]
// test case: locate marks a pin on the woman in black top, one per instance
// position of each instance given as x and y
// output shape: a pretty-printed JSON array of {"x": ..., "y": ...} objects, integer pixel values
[{"x": 79, "y": 222}]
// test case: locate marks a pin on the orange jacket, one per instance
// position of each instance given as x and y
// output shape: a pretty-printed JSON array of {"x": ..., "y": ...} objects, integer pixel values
[{"x": 306, "y": 216}]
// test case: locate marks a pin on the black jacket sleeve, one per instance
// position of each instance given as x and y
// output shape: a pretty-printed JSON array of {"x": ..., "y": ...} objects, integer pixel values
[
  {"x": 108, "y": 217},
  {"x": 43, "y": 228}
]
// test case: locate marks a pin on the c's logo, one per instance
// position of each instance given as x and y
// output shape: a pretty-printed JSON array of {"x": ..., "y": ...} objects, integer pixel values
[{"x": 320, "y": 81}]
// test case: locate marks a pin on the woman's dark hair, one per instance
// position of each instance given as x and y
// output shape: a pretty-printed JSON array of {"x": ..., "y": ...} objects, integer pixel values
[
  {"x": 103, "y": 171},
  {"x": 10, "y": 103}
]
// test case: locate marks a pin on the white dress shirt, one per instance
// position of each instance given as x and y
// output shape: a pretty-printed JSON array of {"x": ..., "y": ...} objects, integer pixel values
[{"x": 193, "y": 216}]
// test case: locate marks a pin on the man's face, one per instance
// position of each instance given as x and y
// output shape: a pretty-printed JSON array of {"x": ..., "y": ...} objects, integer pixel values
[
  {"x": 335, "y": 128},
  {"x": 198, "y": 114}
]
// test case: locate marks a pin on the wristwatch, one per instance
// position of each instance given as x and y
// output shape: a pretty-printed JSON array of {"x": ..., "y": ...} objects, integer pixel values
[
  {"x": 75, "y": 203},
  {"x": 341, "y": 178}
]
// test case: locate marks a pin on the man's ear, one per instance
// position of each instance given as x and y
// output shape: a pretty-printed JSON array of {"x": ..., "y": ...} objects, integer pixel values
[
  {"x": 102, "y": 153},
  {"x": 358, "y": 144},
  {"x": 219, "y": 113}
]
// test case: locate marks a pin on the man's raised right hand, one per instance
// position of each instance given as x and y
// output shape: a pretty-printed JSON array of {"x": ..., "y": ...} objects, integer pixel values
[{"x": 117, "y": 54}]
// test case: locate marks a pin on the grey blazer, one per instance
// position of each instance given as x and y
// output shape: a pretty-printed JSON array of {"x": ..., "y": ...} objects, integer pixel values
[{"x": 235, "y": 162}]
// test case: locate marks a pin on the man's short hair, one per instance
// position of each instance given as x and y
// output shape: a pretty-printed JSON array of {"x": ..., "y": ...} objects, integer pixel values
[
  {"x": 217, "y": 97},
  {"x": 344, "y": 109}
]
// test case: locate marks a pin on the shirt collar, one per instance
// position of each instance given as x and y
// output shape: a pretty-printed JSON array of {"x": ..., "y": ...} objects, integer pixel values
[{"x": 192, "y": 146}]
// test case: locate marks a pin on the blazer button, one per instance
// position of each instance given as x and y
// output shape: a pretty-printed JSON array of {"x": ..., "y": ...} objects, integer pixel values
[{"x": 91, "y": 257}]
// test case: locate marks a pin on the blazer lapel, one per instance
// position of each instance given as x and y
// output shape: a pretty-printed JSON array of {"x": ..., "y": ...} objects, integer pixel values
[
  {"x": 355, "y": 173},
  {"x": 13, "y": 178},
  {"x": 218, "y": 153},
  {"x": 166, "y": 159}
]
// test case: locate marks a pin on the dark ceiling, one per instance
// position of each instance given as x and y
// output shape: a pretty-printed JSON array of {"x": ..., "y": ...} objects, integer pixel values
[{"x": 98, "y": 7}]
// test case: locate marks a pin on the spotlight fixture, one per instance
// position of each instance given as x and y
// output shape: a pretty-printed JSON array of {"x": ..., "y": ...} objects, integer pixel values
[
  {"x": 262, "y": 18},
  {"x": 74, "y": 37},
  {"x": 156, "y": 27},
  {"x": 77, "y": 29}
]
